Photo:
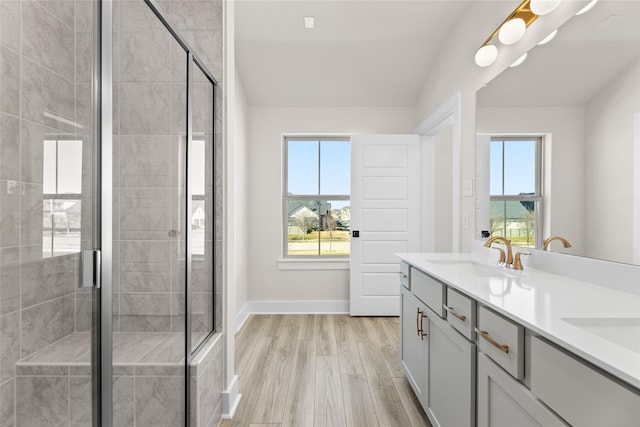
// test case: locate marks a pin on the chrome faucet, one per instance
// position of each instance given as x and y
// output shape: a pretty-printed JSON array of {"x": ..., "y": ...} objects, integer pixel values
[
  {"x": 564, "y": 241},
  {"x": 509, "y": 258}
]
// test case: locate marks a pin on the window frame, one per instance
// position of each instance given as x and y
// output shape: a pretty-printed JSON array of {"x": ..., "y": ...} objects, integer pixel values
[
  {"x": 537, "y": 197},
  {"x": 286, "y": 198}
]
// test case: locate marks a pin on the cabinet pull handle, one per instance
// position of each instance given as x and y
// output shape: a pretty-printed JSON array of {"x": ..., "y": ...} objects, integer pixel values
[
  {"x": 418, "y": 325},
  {"x": 484, "y": 334},
  {"x": 451, "y": 311},
  {"x": 421, "y": 332}
]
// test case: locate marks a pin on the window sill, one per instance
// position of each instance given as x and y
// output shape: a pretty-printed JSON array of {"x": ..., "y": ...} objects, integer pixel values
[{"x": 314, "y": 264}]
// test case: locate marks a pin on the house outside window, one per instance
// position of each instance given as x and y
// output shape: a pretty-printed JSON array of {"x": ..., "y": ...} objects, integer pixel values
[
  {"x": 515, "y": 189},
  {"x": 316, "y": 197}
]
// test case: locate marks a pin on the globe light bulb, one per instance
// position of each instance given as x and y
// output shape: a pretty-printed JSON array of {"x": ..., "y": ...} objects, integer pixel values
[
  {"x": 543, "y": 7},
  {"x": 486, "y": 55},
  {"x": 512, "y": 31}
]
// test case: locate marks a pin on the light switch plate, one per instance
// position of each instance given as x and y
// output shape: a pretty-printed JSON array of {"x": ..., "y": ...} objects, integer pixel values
[{"x": 467, "y": 187}]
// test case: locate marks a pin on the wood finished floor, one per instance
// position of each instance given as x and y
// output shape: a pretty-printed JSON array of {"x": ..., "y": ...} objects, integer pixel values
[{"x": 322, "y": 370}]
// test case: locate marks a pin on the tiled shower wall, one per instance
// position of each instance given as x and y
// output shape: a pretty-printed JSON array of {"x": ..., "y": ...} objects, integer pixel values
[
  {"x": 39, "y": 44},
  {"x": 149, "y": 77}
]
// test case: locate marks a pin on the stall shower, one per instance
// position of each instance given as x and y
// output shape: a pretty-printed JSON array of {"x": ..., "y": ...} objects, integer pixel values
[{"x": 110, "y": 213}]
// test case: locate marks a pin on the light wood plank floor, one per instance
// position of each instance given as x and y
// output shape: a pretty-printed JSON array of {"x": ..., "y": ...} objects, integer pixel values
[{"x": 322, "y": 370}]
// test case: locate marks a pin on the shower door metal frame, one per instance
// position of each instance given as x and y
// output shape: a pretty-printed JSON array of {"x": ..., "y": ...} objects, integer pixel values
[
  {"x": 102, "y": 212},
  {"x": 102, "y": 325}
]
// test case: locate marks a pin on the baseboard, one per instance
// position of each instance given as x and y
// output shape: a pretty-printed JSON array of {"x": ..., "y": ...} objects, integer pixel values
[
  {"x": 289, "y": 307},
  {"x": 242, "y": 315},
  {"x": 230, "y": 399}
]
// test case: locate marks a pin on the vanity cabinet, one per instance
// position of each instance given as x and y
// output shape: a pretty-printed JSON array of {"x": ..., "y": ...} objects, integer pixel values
[
  {"x": 505, "y": 402},
  {"x": 429, "y": 290},
  {"x": 577, "y": 392},
  {"x": 461, "y": 313},
  {"x": 439, "y": 362},
  {"x": 414, "y": 344},
  {"x": 502, "y": 340},
  {"x": 471, "y": 363},
  {"x": 452, "y": 386}
]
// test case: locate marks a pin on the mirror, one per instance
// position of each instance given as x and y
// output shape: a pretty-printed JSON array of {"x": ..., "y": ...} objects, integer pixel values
[{"x": 581, "y": 93}]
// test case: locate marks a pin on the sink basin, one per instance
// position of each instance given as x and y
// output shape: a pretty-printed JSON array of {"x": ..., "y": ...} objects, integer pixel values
[
  {"x": 472, "y": 268},
  {"x": 624, "y": 331}
]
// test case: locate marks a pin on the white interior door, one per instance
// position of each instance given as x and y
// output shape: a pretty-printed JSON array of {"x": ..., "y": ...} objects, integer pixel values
[{"x": 385, "y": 218}]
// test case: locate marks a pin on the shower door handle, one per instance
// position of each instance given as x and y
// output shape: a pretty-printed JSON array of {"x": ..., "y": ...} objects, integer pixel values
[{"x": 90, "y": 269}]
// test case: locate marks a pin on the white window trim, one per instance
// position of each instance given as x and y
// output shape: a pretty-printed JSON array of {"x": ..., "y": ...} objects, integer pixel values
[{"x": 314, "y": 264}]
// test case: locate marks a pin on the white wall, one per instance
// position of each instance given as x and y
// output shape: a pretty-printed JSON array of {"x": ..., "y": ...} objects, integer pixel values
[
  {"x": 241, "y": 190},
  {"x": 565, "y": 179},
  {"x": 610, "y": 167},
  {"x": 266, "y": 281},
  {"x": 443, "y": 188}
]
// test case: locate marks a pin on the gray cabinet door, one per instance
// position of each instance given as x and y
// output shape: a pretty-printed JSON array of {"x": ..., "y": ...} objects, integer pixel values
[
  {"x": 451, "y": 376},
  {"x": 503, "y": 401},
  {"x": 414, "y": 345}
]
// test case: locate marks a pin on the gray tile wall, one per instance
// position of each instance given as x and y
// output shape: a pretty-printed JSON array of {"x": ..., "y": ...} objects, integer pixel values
[
  {"x": 39, "y": 74},
  {"x": 151, "y": 117},
  {"x": 207, "y": 384},
  {"x": 149, "y": 124}
]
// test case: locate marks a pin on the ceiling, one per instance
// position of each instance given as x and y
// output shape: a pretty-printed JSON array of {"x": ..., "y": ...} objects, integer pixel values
[
  {"x": 371, "y": 53},
  {"x": 378, "y": 53},
  {"x": 588, "y": 52}
]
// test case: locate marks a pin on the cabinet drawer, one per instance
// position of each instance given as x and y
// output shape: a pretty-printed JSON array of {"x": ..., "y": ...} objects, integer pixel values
[
  {"x": 428, "y": 290},
  {"x": 404, "y": 275},
  {"x": 578, "y": 393},
  {"x": 502, "y": 340},
  {"x": 461, "y": 312}
]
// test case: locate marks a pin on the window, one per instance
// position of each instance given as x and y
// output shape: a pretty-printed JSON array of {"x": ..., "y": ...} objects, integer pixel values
[
  {"x": 198, "y": 201},
  {"x": 515, "y": 189},
  {"x": 61, "y": 204},
  {"x": 317, "y": 213}
]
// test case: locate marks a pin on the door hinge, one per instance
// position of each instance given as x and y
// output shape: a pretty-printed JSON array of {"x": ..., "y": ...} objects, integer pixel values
[{"x": 90, "y": 269}]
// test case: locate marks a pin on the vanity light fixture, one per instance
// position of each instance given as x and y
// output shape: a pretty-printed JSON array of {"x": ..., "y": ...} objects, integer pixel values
[
  {"x": 512, "y": 31},
  {"x": 543, "y": 7},
  {"x": 486, "y": 55},
  {"x": 519, "y": 60},
  {"x": 513, "y": 28},
  {"x": 587, "y": 8},
  {"x": 548, "y": 38},
  {"x": 309, "y": 22}
]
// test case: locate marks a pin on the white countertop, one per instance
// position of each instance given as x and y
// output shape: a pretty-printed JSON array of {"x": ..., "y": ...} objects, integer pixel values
[{"x": 599, "y": 324}]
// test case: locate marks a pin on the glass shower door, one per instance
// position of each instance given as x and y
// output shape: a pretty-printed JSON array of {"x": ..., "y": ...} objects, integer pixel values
[
  {"x": 201, "y": 171},
  {"x": 149, "y": 220},
  {"x": 47, "y": 207}
]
